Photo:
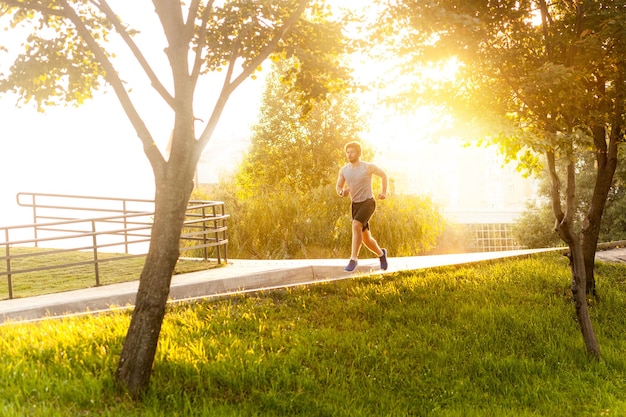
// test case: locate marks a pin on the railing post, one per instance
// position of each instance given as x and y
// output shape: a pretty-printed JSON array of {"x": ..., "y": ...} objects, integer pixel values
[
  {"x": 205, "y": 249},
  {"x": 95, "y": 252},
  {"x": 217, "y": 233},
  {"x": 8, "y": 255},
  {"x": 34, "y": 199},
  {"x": 125, "y": 226}
]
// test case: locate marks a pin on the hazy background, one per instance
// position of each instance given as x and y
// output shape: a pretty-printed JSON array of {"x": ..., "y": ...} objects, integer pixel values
[{"x": 93, "y": 149}]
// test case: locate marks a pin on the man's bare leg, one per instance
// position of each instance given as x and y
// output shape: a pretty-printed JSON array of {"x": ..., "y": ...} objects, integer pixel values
[
  {"x": 371, "y": 244},
  {"x": 357, "y": 239}
]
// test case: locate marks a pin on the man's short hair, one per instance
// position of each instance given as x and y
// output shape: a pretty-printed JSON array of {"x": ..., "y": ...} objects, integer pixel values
[{"x": 355, "y": 145}]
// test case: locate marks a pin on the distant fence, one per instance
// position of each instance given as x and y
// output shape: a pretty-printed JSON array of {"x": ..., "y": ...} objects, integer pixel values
[
  {"x": 493, "y": 237},
  {"x": 118, "y": 225}
]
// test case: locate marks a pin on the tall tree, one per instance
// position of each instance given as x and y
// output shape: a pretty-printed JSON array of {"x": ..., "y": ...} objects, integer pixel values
[
  {"x": 65, "y": 58},
  {"x": 542, "y": 77},
  {"x": 295, "y": 148}
]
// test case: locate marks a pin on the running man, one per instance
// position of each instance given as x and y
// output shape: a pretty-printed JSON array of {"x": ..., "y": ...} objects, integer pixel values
[{"x": 355, "y": 180}]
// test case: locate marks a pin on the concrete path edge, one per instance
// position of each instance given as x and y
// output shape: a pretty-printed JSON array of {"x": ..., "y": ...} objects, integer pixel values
[{"x": 239, "y": 276}]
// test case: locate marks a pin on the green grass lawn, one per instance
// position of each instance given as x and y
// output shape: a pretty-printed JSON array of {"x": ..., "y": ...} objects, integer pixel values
[
  {"x": 497, "y": 338},
  {"x": 76, "y": 277}
]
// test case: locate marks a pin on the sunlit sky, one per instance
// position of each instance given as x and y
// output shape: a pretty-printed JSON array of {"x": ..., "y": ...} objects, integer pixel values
[{"x": 93, "y": 149}]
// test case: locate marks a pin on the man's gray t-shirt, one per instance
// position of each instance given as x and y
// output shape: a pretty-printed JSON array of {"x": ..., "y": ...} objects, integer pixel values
[{"x": 359, "y": 181}]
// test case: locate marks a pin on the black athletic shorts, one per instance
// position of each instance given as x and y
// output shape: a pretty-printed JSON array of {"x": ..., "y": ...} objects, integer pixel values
[{"x": 363, "y": 212}]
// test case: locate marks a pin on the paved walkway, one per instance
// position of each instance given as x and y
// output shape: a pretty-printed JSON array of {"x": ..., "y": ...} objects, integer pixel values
[
  {"x": 237, "y": 277},
  {"x": 612, "y": 255}
]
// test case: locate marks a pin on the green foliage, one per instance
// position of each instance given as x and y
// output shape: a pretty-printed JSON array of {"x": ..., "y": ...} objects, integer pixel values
[
  {"x": 613, "y": 225},
  {"x": 407, "y": 225},
  {"x": 56, "y": 65},
  {"x": 494, "y": 339},
  {"x": 65, "y": 47},
  {"x": 535, "y": 227},
  {"x": 313, "y": 47},
  {"x": 316, "y": 48},
  {"x": 295, "y": 151},
  {"x": 543, "y": 76},
  {"x": 237, "y": 26},
  {"x": 283, "y": 224},
  {"x": 614, "y": 220}
]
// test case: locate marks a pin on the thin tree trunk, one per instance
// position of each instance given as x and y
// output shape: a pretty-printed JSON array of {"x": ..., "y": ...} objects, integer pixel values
[
  {"x": 137, "y": 357},
  {"x": 565, "y": 229},
  {"x": 577, "y": 263},
  {"x": 606, "y": 162}
]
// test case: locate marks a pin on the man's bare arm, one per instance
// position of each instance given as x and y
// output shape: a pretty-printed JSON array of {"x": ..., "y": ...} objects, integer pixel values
[
  {"x": 341, "y": 181},
  {"x": 376, "y": 170}
]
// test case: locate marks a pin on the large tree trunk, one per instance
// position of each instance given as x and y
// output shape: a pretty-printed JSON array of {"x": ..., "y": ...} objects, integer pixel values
[{"x": 141, "y": 342}]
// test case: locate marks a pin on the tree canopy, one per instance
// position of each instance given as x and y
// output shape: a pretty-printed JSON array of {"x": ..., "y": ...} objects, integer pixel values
[{"x": 540, "y": 78}]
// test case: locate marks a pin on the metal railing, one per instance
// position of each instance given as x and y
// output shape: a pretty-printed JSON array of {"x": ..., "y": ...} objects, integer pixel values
[
  {"x": 124, "y": 231},
  {"x": 58, "y": 207}
]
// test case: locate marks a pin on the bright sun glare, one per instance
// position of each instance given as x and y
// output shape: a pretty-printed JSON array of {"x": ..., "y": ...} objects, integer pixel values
[{"x": 445, "y": 71}]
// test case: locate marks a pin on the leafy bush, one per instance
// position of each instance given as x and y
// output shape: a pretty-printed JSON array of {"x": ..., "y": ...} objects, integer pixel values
[
  {"x": 455, "y": 238},
  {"x": 535, "y": 227},
  {"x": 407, "y": 225},
  {"x": 613, "y": 225},
  {"x": 284, "y": 225}
]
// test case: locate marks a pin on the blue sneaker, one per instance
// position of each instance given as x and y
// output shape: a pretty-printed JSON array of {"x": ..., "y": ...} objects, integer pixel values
[
  {"x": 351, "y": 266},
  {"x": 383, "y": 260}
]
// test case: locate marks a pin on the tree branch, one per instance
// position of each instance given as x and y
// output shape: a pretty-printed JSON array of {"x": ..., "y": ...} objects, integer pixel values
[
  {"x": 191, "y": 16},
  {"x": 555, "y": 187},
  {"x": 271, "y": 46},
  {"x": 197, "y": 64},
  {"x": 150, "y": 148},
  {"x": 171, "y": 17},
  {"x": 229, "y": 85},
  {"x": 546, "y": 23},
  {"x": 156, "y": 83},
  {"x": 570, "y": 192}
]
